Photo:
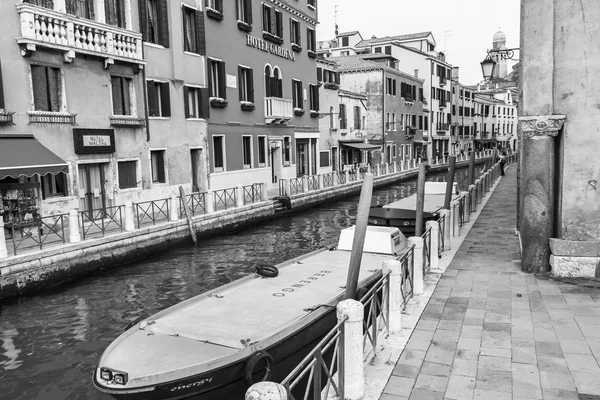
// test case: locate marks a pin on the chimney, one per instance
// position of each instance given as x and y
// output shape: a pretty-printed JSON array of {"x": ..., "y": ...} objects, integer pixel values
[
  {"x": 478, "y": 87},
  {"x": 416, "y": 73}
]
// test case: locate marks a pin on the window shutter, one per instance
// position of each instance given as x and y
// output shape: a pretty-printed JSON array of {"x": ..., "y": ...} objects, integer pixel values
[
  {"x": 222, "y": 81},
  {"x": 237, "y": 11},
  {"x": 152, "y": 100},
  {"x": 280, "y": 88},
  {"x": 165, "y": 99},
  {"x": 200, "y": 33},
  {"x": 248, "y": 11},
  {"x": 126, "y": 100},
  {"x": 300, "y": 95},
  {"x": 279, "y": 24},
  {"x": 273, "y": 27},
  {"x": 186, "y": 101},
  {"x": 204, "y": 103},
  {"x": 1, "y": 88},
  {"x": 241, "y": 82},
  {"x": 292, "y": 31},
  {"x": 54, "y": 88},
  {"x": 317, "y": 97},
  {"x": 320, "y": 74},
  {"x": 250, "y": 85},
  {"x": 337, "y": 78},
  {"x": 116, "y": 95},
  {"x": 219, "y": 5},
  {"x": 163, "y": 23},
  {"x": 143, "y": 19}
]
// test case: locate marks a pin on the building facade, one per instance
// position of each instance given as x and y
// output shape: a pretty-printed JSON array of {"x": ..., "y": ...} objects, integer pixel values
[
  {"x": 263, "y": 91},
  {"x": 463, "y": 114}
]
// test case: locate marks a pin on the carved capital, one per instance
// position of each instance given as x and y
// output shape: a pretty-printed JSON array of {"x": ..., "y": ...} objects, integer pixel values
[{"x": 542, "y": 125}]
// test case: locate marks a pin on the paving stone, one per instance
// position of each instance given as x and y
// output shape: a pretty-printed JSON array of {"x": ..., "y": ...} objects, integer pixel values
[
  {"x": 449, "y": 325},
  {"x": 471, "y": 331},
  {"x": 582, "y": 363},
  {"x": 418, "y": 344},
  {"x": 442, "y": 335},
  {"x": 441, "y": 352},
  {"x": 494, "y": 363},
  {"x": 559, "y": 394},
  {"x": 435, "y": 369},
  {"x": 412, "y": 357},
  {"x": 465, "y": 343},
  {"x": 557, "y": 380},
  {"x": 460, "y": 388},
  {"x": 524, "y": 355},
  {"x": 544, "y": 335},
  {"x": 431, "y": 383},
  {"x": 553, "y": 364},
  {"x": 497, "y": 381},
  {"x": 575, "y": 347},
  {"x": 406, "y": 371},
  {"x": 526, "y": 381},
  {"x": 420, "y": 394},
  {"x": 519, "y": 342},
  {"x": 387, "y": 396},
  {"x": 400, "y": 386},
  {"x": 548, "y": 349},
  {"x": 587, "y": 382},
  {"x": 427, "y": 325},
  {"x": 480, "y": 394},
  {"x": 495, "y": 352}
]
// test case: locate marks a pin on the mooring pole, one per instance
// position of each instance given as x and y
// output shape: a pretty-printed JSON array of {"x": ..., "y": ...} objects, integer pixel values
[
  {"x": 420, "y": 200},
  {"x": 450, "y": 182},
  {"x": 187, "y": 216},
  {"x": 360, "y": 231},
  {"x": 471, "y": 174}
]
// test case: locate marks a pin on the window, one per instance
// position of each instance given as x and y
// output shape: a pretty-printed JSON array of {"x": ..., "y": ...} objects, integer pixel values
[
  {"x": 331, "y": 118},
  {"x": 47, "y": 88},
  {"x": 159, "y": 100},
  {"x": 388, "y": 86},
  {"x": 273, "y": 82},
  {"x": 81, "y": 8},
  {"x": 394, "y": 121},
  {"x": 388, "y": 50},
  {"x": 311, "y": 39},
  {"x": 121, "y": 95},
  {"x": 154, "y": 21},
  {"x": 356, "y": 117},
  {"x": 286, "y": 150},
  {"x": 262, "y": 151},
  {"x": 157, "y": 161},
  {"x": 215, "y": 5},
  {"x": 343, "y": 122},
  {"x": 128, "y": 174},
  {"x": 314, "y": 97},
  {"x": 195, "y": 102},
  {"x": 2, "y": 105},
  {"x": 420, "y": 122},
  {"x": 219, "y": 153},
  {"x": 114, "y": 11},
  {"x": 273, "y": 22},
  {"x": 345, "y": 41},
  {"x": 193, "y": 29},
  {"x": 244, "y": 11},
  {"x": 246, "y": 84},
  {"x": 297, "y": 93},
  {"x": 54, "y": 185},
  {"x": 394, "y": 150},
  {"x": 247, "y": 151},
  {"x": 295, "y": 36},
  {"x": 377, "y": 50},
  {"x": 216, "y": 78}
]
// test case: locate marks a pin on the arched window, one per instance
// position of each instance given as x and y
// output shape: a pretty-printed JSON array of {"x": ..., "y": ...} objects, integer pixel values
[
  {"x": 267, "y": 81},
  {"x": 277, "y": 87}
]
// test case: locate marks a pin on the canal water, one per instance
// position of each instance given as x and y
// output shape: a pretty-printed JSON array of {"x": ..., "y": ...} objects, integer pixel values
[{"x": 50, "y": 342}]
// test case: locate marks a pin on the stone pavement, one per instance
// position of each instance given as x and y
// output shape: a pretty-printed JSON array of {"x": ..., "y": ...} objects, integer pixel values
[{"x": 491, "y": 331}]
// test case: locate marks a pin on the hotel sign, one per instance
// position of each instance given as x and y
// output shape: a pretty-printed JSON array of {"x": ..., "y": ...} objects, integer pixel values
[
  {"x": 94, "y": 141},
  {"x": 270, "y": 47}
]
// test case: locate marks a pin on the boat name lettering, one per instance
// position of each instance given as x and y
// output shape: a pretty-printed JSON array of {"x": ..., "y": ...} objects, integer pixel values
[
  {"x": 190, "y": 385},
  {"x": 301, "y": 283}
]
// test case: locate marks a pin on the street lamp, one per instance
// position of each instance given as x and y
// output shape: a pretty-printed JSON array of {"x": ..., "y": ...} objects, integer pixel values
[{"x": 487, "y": 67}]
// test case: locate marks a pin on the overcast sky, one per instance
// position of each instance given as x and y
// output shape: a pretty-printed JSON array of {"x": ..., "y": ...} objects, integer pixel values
[{"x": 464, "y": 28}]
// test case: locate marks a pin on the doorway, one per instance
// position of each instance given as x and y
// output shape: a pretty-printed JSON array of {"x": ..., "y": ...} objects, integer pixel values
[
  {"x": 92, "y": 195},
  {"x": 301, "y": 158},
  {"x": 276, "y": 160},
  {"x": 198, "y": 171}
]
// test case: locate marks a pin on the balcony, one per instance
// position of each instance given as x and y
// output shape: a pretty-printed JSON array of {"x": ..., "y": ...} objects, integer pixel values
[
  {"x": 443, "y": 81},
  {"x": 278, "y": 110},
  {"x": 443, "y": 103},
  {"x": 442, "y": 127},
  {"x": 71, "y": 35}
]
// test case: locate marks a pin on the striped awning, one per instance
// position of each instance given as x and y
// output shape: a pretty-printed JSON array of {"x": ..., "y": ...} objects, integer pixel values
[{"x": 23, "y": 155}]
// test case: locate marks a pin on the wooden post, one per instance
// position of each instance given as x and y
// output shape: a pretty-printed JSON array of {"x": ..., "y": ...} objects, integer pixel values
[
  {"x": 420, "y": 200},
  {"x": 360, "y": 231},
  {"x": 450, "y": 182},
  {"x": 471, "y": 174},
  {"x": 187, "y": 216}
]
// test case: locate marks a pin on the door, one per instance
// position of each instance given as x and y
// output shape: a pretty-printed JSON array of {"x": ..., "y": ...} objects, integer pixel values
[
  {"x": 92, "y": 195},
  {"x": 302, "y": 158},
  {"x": 198, "y": 171},
  {"x": 276, "y": 160}
]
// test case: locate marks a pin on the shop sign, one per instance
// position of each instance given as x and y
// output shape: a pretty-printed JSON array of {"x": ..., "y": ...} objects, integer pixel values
[
  {"x": 94, "y": 141},
  {"x": 270, "y": 47}
]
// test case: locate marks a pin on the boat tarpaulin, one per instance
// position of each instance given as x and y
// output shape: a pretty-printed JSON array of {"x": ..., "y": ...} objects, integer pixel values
[
  {"x": 361, "y": 146},
  {"x": 23, "y": 155}
]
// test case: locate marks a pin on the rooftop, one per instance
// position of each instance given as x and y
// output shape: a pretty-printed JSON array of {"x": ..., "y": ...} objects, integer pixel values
[
  {"x": 397, "y": 38},
  {"x": 357, "y": 63}
]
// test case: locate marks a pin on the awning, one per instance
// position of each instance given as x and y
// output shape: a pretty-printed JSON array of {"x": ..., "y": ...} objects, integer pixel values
[
  {"x": 361, "y": 146},
  {"x": 420, "y": 141},
  {"x": 24, "y": 155}
]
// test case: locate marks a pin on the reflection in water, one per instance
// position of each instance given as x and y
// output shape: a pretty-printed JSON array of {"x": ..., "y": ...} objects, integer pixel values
[{"x": 52, "y": 341}]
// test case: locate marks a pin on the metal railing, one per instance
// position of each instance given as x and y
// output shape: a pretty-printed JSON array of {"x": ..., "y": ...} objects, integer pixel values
[
  {"x": 442, "y": 223},
  {"x": 353, "y": 175},
  {"x": 195, "y": 203},
  {"x": 313, "y": 182},
  {"x": 328, "y": 180},
  {"x": 341, "y": 177},
  {"x": 101, "y": 220},
  {"x": 306, "y": 380},
  {"x": 407, "y": 260},
  {"x": 296, "y": 186},
  {"x": 426, "y": 251},
  {"x": 252, "y": 193},
  {"x": 225, "y": 198},
  {"x": 38, "y": 231},
  {"x": 151, "y": 211},
  {"x": 377, "y": 313}
]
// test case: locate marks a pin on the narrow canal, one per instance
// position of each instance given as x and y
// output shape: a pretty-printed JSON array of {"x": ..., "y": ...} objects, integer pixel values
[{"x": 50, "y": 342}]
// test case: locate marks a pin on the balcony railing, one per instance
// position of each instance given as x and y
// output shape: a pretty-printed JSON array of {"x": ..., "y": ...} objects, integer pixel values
[
  {"x": 278, "y": 110},
  {"x": 442, "y": 127},
  {"x": 443, "y": 103},
  {"x": 48, "y": 28},
  {"x": 443, "y": 80}
]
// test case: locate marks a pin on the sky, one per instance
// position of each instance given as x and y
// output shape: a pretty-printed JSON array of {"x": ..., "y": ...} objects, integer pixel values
[{"x": 464, "y": 28}]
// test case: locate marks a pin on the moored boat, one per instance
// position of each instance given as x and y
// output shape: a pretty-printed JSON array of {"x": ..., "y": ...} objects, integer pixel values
[{"x": 215, "y": 345}]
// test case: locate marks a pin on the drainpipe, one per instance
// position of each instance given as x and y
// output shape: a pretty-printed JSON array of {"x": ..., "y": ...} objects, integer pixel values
[
  {"x": 383, "y": 112},
  {"x": 145, "y": 89}
]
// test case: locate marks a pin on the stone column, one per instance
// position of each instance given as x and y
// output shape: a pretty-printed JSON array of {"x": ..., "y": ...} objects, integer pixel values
[
  {"x": 447, "y": 227},
  {"x": 266, "y": 391},
  {"x": 129, "y": 222},
  {"x": 354, "y": 377},
  {"x": 435, "y": 243},
  {"x": 320, "y": 179},
  {"x": 3, "y": 251},
  {"x": 239, "y": 196},
  {"x": 74, "y": 235},
  {"x": 263, "y": 193},
  {"x": 467, "y": 198},
  {"x": 418, "y": 260},
  {"x": 305, "y": 184},
  {"x": 173, "y": 210},
  {"x": 538, "y": 190},
  {"x": 395, "y": 297},
  {"x": 210, "y": 202}
]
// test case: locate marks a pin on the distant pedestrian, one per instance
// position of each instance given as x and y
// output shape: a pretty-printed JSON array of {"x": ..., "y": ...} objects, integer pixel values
[{"x": 502, "y": 162}]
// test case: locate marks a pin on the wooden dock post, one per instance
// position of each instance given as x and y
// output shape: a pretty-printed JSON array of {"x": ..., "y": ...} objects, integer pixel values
[
  {"x": 360, "y": 231},
  {"x": 187, "y": 216},
  {"x": 420, "y": 200},
  {"x": 450, "y": 182}
]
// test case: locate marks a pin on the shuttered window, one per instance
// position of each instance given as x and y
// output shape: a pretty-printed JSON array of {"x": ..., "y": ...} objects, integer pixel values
[
  {"x": 157, "y": 160},
  {"x": 121, "y": 87},
  {"x": 2, "y": 105},
  {"x": 115, "y": 12},
  {"x": 262, "y": 151},
  {"x": 311, "y": 39},
  {"x": 81, "y": 8},
  {"x": 154, "y": 21},
  {"x": 159, "y": 100},
  {"x": 356, "y": 117},
  {"x": 246, "y": 84},
  {"x": 244, "y": 11},
  {"x": 297, "y": 93},
  {"x": 247, "y": 151},
  {"x": 314, "y": 97},
  {"x": 343, "y": 121},
  {"x": 196, "y": 102},
  {"x": 295, "y": 36},
  {"x": 193, "y": 29},
  {"x": 215, "y": 5},
  {"x": 127, "y": 174},
  {"x": 219, "y": 153},
  {"x": 216, "y": 78},
  {"x": 47, "y": 88}
]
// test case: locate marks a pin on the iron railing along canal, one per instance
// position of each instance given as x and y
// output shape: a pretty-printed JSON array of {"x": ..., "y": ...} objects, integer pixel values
[
  {"x": 38, "y": 231},
  {"x": 100, "y": 221},
  {"x": 151, "y": 211}
]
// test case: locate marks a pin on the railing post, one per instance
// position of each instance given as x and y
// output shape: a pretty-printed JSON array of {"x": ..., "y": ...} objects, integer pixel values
[
  {"x": 74, "y": 235},
  {"x": 266, "y": 391},
  {"x": 395, "y": 294},
  {"x": 263, "y": 192},
  {"x": 418, "y": 264},
  {"x": 354, "y": 377},
  {"x": 3, "y": 251},
  {"x": 447, "y": 227},
  {"x": 335, "y": 178},
  {"x": 467, "y": 198},
  {"x": 239, "y": 196},
  {"x": 473, "y": 198},
  {"x": 129, "y": 223},
  {"x": 455, "y": 205},
  {"x": 305, "y": 184},
  {"x": 287, "y": 187},
  {"x": 320, "y": 180},
  {"x": 173, "y": 211},
  {"x": 377, "y": 170},
  {"x": 210, "y": 202},
  {"x": 434, "y": 247},
  {"x": 478, "y": 186},
  {"x": 347, "y": 175}
]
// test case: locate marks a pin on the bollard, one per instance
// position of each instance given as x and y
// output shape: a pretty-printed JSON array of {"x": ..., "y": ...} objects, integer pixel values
[
  {"x": 347, "y": 175},
  {"x": 418, "y": 260},
  {"x": 377, "y": 170},
  {"x": 129, "y": 225},
  {"x": 266, "y": 391},
  {"x": 264, "y": 195},
  {"x": 320, "y": 181},
  {"x": 435, "y": 244},
  {"x": 467, "y": 197},
  {"x": 74, "y": 235},
  {"x": 473, "y": 201},
  {"x": 394, "y": 168},
  {"x": 287, "y": 184},
  {"x": 305, "y": 184},
  {"x": 4, "y": 252},
  {"x": 239, "y": 196},
  {"x": 335, "y": 178},
  {"x": 354, "y": 378},
  {"x": 456, "y": 218},
  {"x": 173, "y": 215},
  {"x": 479, "y": 185},
  {"x": 395, "y": 295},
  {"x": 210, "y": 202},
  {"x": 447, "y": 227}
]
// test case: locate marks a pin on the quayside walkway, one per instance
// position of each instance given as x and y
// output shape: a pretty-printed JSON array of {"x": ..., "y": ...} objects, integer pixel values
[{"x": 490, "y": 331}]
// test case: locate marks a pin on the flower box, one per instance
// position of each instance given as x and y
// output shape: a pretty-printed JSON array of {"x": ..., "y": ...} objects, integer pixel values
[
  {"x": 127, "y": 120},
  {"x": 243, "y": 26},
  {"x": 49, "y": 117},
  {"x": 217, "y": 102},
  {"x": 214, "y": 14},
  {"x": 298, "y": 112},
  {"x": 247, "y": 106},
  {"x": 314, "y": 114},
  {"x": 331, "y": 85},
  {"x": 272, "y": 38},
  {"x": 296, "y": 48}
]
